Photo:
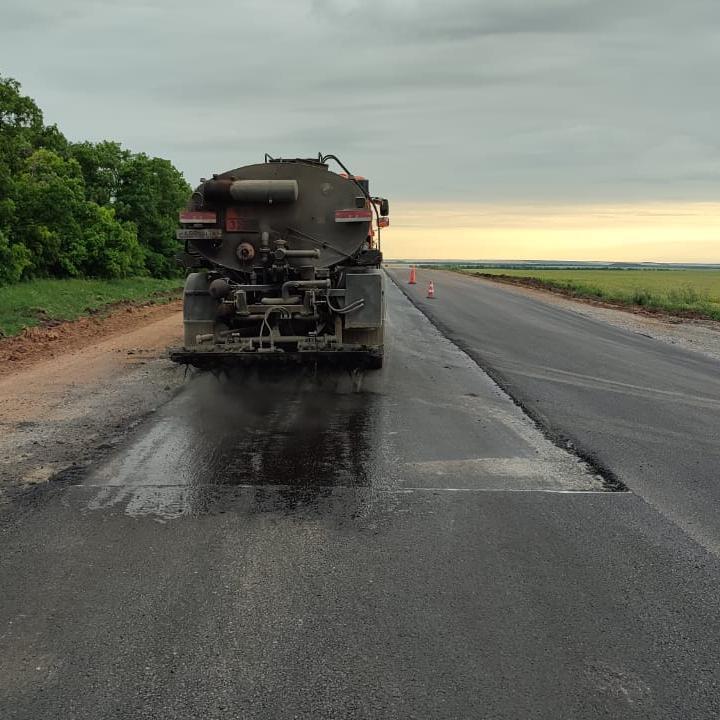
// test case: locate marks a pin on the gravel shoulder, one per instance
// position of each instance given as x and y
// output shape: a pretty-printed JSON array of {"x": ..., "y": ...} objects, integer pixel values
[
  {"x": 97, "y": 381},
  {"x": 701, "y": 336}
]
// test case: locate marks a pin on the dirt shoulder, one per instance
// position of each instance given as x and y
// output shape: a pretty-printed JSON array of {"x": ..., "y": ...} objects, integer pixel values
[
  {"x": 38, "y": 344},
  {"x": 701, "y": 336},
  {"x": 69, "y": 393}
]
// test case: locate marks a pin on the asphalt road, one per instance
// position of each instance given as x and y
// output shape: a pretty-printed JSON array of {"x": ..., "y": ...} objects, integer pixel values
[
  {"x": 418, "y": 549},
  {"x": 643, "y": 409}
]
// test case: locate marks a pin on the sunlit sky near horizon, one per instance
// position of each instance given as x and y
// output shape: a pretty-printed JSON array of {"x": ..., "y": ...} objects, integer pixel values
[
  {"x": 556, "y": 129},
  {"x": 659, "y": 232}
]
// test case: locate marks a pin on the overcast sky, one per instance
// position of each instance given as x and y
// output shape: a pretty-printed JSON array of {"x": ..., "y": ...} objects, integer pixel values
[{"x": 485, "y": 101}]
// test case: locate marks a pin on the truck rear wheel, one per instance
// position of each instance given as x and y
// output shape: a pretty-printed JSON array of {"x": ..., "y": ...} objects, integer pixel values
[{"x": 199, "y": 309}]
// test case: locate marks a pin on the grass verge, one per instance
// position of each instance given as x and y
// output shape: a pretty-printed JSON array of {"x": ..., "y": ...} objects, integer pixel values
[
  {"x": 43, "y": 301},
  {"x": 687, "y": 293}
]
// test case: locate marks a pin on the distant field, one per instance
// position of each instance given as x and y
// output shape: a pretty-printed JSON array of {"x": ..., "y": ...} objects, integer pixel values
[
  {"x": 33, "y": 303},
  {"x": 682, "y": 292}
]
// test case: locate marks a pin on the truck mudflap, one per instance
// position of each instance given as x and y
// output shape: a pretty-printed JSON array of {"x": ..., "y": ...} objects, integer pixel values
[{"x": 223, "y": 358}]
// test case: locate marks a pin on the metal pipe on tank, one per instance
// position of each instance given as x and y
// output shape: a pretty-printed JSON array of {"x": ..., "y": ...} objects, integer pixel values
[
  {"x": 264, "y": 191},
  {"x": 256, "y": 288},
  {"x": 280, "y": 300},
  {"x": 303, "y": 284},
  {"x": 267, "y": 192},
  {"x": 281, "y": 253}
]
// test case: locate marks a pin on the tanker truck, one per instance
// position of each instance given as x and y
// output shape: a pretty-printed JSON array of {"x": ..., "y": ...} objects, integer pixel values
[{"x": 286, "y": 267}]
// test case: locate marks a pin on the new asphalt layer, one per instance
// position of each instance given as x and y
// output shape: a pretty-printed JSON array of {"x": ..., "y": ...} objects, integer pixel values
[{"x": 296, "y": 549}]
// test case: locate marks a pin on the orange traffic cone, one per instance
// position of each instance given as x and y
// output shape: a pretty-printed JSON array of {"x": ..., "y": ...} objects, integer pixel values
[
  {"x": 413, "y": 279},
  {"x": 431, "y": 290}
]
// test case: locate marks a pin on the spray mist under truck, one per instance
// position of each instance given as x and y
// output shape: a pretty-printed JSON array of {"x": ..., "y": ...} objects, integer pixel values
[{"x": 287, "y": 262}]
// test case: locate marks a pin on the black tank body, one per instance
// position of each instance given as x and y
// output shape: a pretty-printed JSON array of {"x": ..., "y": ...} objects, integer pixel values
[{"x": 324, "y": 221}]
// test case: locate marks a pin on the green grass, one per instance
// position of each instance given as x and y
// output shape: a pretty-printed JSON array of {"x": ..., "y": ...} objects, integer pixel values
[
  {"x": 679, "y": 292},
  {"x": 32, "y": 303}
]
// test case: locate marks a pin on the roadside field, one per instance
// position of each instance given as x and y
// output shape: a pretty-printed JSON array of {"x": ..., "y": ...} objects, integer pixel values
[
  {"x": 41, "y": 301},
  {"x": 680, "y": 292}
]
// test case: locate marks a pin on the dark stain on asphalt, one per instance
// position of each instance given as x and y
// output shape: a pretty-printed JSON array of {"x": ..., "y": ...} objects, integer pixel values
[
  {"x": 287, "y": 441},
  {"x": 301, "y": 431},
  {"x": 253, "y": 442}
]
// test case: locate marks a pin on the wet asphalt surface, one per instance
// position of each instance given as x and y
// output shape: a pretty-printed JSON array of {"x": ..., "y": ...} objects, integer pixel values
[{"x": 295, "y": 549}]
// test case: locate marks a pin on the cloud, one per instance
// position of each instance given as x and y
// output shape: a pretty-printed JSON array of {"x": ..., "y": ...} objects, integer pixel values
[{"x": 466, "y": 100}]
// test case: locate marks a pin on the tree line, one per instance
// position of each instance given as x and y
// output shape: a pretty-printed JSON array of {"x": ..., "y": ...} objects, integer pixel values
[{"x": 80, "y": 209}]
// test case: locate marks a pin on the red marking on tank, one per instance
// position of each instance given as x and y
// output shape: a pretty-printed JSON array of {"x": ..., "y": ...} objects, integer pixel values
[
  {"x": 197, "y": 216},
  {"x": 237, "y": 221},
  {"x": 354, "y": 215}
]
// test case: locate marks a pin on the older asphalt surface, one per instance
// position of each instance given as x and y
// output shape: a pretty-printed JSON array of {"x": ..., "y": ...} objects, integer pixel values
[
  {"x": 418, "y": 549},
  {"x": 645, "y": 410}
]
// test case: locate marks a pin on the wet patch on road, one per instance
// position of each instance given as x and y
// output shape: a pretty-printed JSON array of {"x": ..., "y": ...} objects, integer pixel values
[
  {"x": 430, "y": 420},
  {"x": 301, "y": 436}
]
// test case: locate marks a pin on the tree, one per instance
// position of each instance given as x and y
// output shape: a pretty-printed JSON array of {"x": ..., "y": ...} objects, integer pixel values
[
  {"x": 150, "y": 193},
  {"x": 74, "y": 209},
  {"x": 21, "y": 125},
  {"x": 111, "y": 247},
  {"x": 50, "y": 208},
  {"x": 7, "y": 193},
  {"x": 101, "y": 164},
  {"x": 21, "y": 132},
  {"x": 14, "y": 260}
]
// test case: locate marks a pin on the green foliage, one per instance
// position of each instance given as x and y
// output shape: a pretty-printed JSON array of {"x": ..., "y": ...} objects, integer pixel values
[
  {"x": 101, "y": 164},
  {"x": 80, "y": 209},
  {"x": 112, "y": 247},
  {"x": 15, "y": 258},
  {"x": 26, "y": 304},
  {"x": 50, "y": 208},
  {"x": 150, "y": 193},
  {"x": 687, "y": 295},
  {"x": 683, "y": 292},
  {"x": 21, "y": 125}
]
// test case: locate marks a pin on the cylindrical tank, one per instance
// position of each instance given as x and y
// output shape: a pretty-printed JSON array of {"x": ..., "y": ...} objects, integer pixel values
[{"x": 311, "y": 215}]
